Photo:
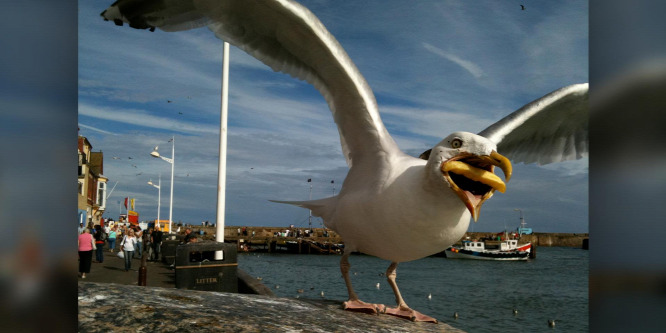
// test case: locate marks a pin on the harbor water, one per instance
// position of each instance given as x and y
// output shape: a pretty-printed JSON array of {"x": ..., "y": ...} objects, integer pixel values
[{"x": 554, "y": 286}]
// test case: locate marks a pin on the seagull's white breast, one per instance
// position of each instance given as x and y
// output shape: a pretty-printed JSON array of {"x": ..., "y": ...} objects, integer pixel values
[{"x": 395, "y": 217}]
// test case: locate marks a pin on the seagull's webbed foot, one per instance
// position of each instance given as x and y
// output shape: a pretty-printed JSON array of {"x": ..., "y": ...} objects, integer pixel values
[
  {"x": 360, "y": 306},
  {"x": 407, "y": 313}
]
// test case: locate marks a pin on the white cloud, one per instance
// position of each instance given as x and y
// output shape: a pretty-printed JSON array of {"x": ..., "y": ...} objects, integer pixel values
[{"x": 467, "y": 65}]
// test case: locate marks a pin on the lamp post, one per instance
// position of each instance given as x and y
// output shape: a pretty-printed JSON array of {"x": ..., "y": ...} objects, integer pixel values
[
  {"x": 172, "y": 162},
  {"x": 159, "y": 194}
]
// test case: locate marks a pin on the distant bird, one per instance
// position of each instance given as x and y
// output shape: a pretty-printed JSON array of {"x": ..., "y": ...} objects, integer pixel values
[
  {"x": 300, "y": 291},
  {"x": 277, "y": 286},
  {"x": 551, "y": 322},
  {"x": 168, "y": 101},
  {"x": 515, "y": 312},
  {"x": 130, "y": 158},
  {"x": 455, "y": 315},
  {"x": 116, "y": 158},
  {"x": 321, "y": 294},
  {"x": 139, "y": 174},
  {"x": 391, "y": 205},
  {"x": 156, "y": 147},
  {"x": 180, "y": 113},
  {"x": 377, "y": 286},
  {"x": 429, "y": 296},
  {"x": 259, "y": 278},
  {"x": 522, "y": 7},
  {"x": 134, "y": 165}
]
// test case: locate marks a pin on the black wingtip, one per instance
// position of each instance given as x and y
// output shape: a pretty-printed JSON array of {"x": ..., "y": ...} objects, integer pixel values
[
  {"x": 425, "y": 155},
  {"x": 118, "y": 22}
]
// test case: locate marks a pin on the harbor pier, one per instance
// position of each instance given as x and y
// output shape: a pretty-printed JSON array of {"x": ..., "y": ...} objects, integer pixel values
[{"x": 326, "y": 241}]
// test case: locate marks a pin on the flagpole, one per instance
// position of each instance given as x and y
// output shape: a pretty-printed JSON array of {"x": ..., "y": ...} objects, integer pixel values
[{"x": 222, "y": 168}]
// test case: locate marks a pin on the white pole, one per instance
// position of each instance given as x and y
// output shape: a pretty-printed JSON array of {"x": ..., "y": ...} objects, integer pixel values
[
  {"x": 222, "y": 169},
  {"x": 173, "y": 163},
  {"x": 159, "y": 197}
]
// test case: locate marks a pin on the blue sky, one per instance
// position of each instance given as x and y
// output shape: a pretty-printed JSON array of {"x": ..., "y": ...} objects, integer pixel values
[{"x": 435, "y": 67}]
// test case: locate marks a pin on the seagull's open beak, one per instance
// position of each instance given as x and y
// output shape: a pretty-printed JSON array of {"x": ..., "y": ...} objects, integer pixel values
[{"x": 473, "y": 179}]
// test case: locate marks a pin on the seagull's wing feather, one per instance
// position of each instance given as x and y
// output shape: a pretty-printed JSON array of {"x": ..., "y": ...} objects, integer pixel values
[
  {"x": 550, "y": 129},
  {"x": 288, "y": 38}
]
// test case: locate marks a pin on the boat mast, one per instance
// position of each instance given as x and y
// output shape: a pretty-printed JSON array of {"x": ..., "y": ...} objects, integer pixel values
[{"x": 310, "y": 210}]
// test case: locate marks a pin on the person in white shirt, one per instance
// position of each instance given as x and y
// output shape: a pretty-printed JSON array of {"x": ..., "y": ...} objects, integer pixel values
[{"x": 128, "y": 244}]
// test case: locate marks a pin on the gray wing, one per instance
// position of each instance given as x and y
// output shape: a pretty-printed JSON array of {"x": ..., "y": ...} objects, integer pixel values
[
  {"x": 550, "y": 129},
  {"x": 288, "y": 38}
]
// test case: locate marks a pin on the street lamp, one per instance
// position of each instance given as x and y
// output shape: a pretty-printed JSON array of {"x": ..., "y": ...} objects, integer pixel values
[
  {"x": 172, "y": 162},
  {"x": 159, "y": 195}
]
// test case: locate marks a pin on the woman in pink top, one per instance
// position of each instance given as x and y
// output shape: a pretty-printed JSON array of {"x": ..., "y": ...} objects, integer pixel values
[{"x": 86, "y": 244}]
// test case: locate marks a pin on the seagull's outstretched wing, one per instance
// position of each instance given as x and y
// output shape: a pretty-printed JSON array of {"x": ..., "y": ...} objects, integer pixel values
[
  {"x": 288, "y": 38},
  {"x": 550, "y": 129}
]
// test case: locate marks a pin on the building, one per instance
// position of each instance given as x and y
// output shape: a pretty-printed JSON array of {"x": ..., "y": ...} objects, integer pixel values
[{"x": 92, "y": 183}]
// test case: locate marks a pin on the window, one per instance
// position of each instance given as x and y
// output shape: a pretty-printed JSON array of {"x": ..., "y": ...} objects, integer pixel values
[{"x": 101, "y": 195}]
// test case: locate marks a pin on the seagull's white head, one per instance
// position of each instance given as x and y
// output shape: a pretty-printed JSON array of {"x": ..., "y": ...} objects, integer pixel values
[{"x": 465, "y": 162}]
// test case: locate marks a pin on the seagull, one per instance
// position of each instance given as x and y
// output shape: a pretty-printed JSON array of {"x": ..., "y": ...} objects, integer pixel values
[
  {"x": 522, "y": 7},
  {"x": 391, "y": 205}
]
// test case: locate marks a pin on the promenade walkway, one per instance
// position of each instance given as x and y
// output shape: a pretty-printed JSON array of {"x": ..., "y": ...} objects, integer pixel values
[{"x": 112, "y": 271}]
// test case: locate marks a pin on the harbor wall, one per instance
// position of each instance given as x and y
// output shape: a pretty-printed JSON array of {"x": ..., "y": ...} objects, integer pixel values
[
  {"x": 323, "y": 236},
  {"x": 542, "y": 238}
]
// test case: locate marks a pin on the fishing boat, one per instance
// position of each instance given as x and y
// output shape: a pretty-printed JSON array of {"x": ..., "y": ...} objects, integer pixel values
[{"x": 490, "y": 250}]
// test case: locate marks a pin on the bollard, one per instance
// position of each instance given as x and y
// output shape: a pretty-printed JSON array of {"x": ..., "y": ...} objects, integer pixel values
[{"x": 143, "y": 271}]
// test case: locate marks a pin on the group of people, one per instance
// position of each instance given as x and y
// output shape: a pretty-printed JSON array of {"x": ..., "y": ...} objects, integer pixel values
[{"x": 133, "y": 242}]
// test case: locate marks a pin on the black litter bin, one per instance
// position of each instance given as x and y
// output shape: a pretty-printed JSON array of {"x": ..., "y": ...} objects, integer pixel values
[
  {"x": 196, "y": 267},
  {"x": 168, "y": 251}
]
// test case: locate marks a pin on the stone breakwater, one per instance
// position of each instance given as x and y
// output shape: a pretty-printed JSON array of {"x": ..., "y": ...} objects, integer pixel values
[
  {"x": 106, "y": 307},
  {"x": 325, "y": 236},
  {"x": 542, "y": 238}
]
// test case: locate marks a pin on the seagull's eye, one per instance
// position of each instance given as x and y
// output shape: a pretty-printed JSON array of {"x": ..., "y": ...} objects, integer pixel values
[{"x": 456, "y": 143}]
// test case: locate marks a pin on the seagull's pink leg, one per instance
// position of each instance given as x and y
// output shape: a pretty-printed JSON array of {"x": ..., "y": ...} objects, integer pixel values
[
  {"x": 354, "y": 304},
  {"x": 403, "y": 310}
]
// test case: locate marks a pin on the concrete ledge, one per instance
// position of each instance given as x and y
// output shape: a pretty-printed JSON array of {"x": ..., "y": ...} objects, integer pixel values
[{"x": 105, "y": 307}]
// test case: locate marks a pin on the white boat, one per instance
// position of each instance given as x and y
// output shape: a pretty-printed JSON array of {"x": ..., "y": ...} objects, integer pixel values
[{"x": 490, "y": 250}]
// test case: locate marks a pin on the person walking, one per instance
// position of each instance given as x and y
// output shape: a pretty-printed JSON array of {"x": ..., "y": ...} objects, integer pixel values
[
  {"x": 86, "y": 245},
  {"x": 156, "y": 243},
  {"x": 139, "y": 242},
  {"x": 127, "y": 245},
  {"x": 112, "y": 238},
  {"x": 147, "y": 246},
  {"x": 100, "y": 238}
]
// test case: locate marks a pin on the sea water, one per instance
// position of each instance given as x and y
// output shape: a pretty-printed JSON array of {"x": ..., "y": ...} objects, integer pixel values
[{"x": 483, "y": 293}]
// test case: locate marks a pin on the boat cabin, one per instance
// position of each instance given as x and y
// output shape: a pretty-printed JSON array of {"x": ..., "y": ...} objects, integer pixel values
[{"x": 479, "y": 246}]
